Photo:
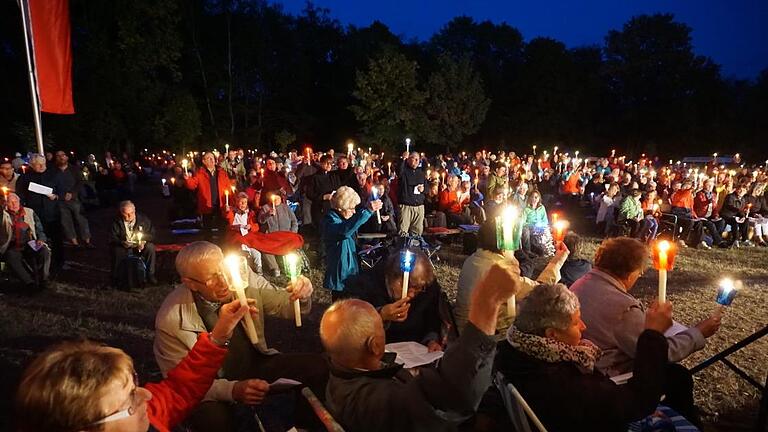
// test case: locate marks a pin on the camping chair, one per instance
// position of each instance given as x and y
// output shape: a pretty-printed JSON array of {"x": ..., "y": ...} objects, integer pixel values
[
  {"x": 322, "y": 413},
  {"x": 520, "y": 413},
  {"x": 668, "y": 224}
]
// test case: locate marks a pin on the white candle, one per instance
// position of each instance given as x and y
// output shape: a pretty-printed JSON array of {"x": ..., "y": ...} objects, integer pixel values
[
  {"x": 234, "y": 263},
  {"x": 375, "y": 192},
  {"x": 408, "y": 145},
  {"x": 663, "y": 249},
  {"x": 406, "y": 265},
  {"x": 292, "y": 262},
  {"x": 184, "y": 164},
  {"x": 512, "y": 307}
]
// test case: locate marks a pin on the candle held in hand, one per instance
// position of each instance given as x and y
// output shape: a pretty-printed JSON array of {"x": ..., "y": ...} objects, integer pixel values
[
  {"x": 375, "y": 196},
  {"x": 560, "y": 229},
  {"x": 236, "y": 265},
  {"x": 407, "y": 259},
  {"x": 663, "y": 259},
  {"x": 293, "y": 270}
]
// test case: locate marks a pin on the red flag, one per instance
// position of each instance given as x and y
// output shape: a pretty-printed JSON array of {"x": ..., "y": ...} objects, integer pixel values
[{"x": 53, "y": 54}]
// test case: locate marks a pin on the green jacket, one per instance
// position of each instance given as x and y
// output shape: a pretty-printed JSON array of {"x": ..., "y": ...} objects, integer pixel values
[
  {"x": 536, "y": 216},
  {"x": 630, "y": 209},
  {"x": 495, "y": 182}
]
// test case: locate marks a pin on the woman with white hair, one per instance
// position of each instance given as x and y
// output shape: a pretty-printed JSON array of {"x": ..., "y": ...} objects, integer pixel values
[
  {"x": 553, "y": 368},
  {"x": 339, "y": 228}
]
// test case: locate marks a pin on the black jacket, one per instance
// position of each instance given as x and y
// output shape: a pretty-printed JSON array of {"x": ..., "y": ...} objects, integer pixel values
[
  {"x": 320, "y": 183},
  {"x": 409, "y": 179},
  {"x": 117, "y": 233},
  {"x": 391, "y": 399},
  {"x": 733, "y": 206},
  {"x": 46, "y": 209},
  {"x": 573, "y": 269},
  {"x": 423, "y": 323},
  {"x": 567, "y": 399}
]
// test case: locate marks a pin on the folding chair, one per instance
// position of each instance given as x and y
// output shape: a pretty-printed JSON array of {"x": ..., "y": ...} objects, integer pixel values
[
  {"x": 517, "y": 408},
  {"x": 668, "y": 224}
]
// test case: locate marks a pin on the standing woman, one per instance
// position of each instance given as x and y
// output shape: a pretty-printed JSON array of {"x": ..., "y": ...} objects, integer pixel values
[{"x": 339, "y": 228}]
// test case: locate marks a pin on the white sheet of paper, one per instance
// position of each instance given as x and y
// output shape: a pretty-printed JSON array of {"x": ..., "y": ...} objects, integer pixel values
[
  {"x": 243, "y": 231},
  {"x": 675, "y": 329},
  {"x": 283, "y": 384},
  {"x": 33, "y": 245},
  {"x": 622, "y": 379},
  {"x": 40, "y": 189},
  {"x": 412, "y": 354}
]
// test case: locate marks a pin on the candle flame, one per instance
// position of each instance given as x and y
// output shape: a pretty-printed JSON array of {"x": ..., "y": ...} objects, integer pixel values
[
  {"x": 234, "y": 263},
  {"x": 663, "y": 246}
]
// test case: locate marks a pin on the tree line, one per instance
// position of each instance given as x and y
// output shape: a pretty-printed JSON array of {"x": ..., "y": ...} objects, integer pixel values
[{"x": 196, "y": 73}]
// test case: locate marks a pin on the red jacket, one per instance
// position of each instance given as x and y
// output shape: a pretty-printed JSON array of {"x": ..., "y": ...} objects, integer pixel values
[
  {"x": 201, "y": 181},
  {"x": 701, "y": 203},
  {"x": 449, "y": 201},
  {"x": 274, "y": 181},
  {"x": 174, "y": 397},
  {"x": 684, "y": 198}
]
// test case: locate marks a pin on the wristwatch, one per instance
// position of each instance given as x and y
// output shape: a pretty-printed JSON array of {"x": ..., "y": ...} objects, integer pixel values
[{"x": 223, "y": 344}]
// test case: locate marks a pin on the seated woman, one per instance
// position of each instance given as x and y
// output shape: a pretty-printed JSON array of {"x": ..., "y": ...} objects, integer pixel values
[
  {"x": 432, "y": 214},
  {"x": 244, "y": 233},
  {"x": 20, "y": 229},
  {"x": 537, "y": 237},
  {"x": 553, "y": 368},
  {"x": 609, "y": 200},
  {"x": 454, "y": 203},
  {"x": 758, "y": 212},
  {"x": 387, "y": 212},
  {"x": 79, "y": 386},
  {"x": 415, "y": 318},
  {"x": 273, "y": 217},
  {"x": 631, "y": 212},
  {"x": 339, "y": 228}
]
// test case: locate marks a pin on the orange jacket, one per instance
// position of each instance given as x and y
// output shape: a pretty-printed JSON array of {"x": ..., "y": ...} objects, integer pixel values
[
  {"x": 683, "y": 198},
  {"x": 449, "y": 201}
]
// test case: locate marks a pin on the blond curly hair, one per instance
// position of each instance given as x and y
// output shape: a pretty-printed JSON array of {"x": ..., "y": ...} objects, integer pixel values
[{"x": 345, "y": 198}]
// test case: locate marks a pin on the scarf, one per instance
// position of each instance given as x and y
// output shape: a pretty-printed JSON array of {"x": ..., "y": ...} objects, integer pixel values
[
  {"x": 551, "y": 351},
  {"x": 19, "y": 227}
]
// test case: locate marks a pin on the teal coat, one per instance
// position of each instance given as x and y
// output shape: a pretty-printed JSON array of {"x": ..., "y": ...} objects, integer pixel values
[
  {"x": 536, "y": 216},
  {"x": 340, "y": 248}
]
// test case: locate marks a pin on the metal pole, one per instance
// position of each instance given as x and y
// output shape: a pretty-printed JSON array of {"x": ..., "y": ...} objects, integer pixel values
[{"x": 32, "y": 78}]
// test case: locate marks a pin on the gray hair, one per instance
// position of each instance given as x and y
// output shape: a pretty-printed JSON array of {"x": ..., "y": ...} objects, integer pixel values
[
  {"x": 193, "y": 254},
  {"x": 127, "y": 204},
  {"x": 547, "y": 306},
  {"x": 356, "y": 323},
  {"x": 37, "y": 157},
  {"x": 345, "y": 198}
]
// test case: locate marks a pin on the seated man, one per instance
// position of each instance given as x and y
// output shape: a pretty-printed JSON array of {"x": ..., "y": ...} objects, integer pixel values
[
  {"x": 192, "y": 309},
  {"x": 132, "y": 234},
  {"x": 415, "y": 318},
  {"x": 488, "y": 253},
  {"x": 615, "y": 319},
  {"x": 19, "y": 227},
  {"x": 78, "y": 386},
  {"x": 365, "y": 394}
]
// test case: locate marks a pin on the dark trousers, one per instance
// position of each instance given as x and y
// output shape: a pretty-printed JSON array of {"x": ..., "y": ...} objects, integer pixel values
[
  {"x": 213, "y": 221},
  {"x": 678, "y": 391},
  {"x": 738, "y": 230},
  {"x": 55, "y": 241},
  {"x": 714, "y": 231},
  {"x": 309, "y": 369},
  {"x": 119, "y": 252},
  {"x": 40, "y": 260}
]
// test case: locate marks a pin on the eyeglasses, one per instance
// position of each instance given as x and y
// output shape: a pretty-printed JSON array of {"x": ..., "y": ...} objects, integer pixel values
[
  {"x": 218, "y": 276},
  {"x": 131, "y": 410}
]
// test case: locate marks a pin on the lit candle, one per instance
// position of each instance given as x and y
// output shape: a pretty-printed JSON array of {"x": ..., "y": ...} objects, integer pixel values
[
  {"x": 613, "y": 153},
  {"x": 5, "y": 191},
  {"x": 534, "y": 150},
  {"x": 350, "y": 147},
  {"x": 274, "y": 200},
  {"x": 184, "y": 164},
  {"x": 408, "y": 145},
  {"x": 293, "y": 270},
  {"x": 389, "y": 169},
  {"x": 726, "y": 292},
  {"x": 173, "y": 181},
  {"x": 407, "y": 259},
  {"x": 443, "y": 176},
  {"x": 663, "y": 260},
  {"x": 226, "y": 148},
  {"x": 226, "y": 198},
  {"x": 749, "y": 207},
  {"x": 560, "y": 228},
  {"x": 237, "y": 265},
  {"x": 508, "y": 239}
]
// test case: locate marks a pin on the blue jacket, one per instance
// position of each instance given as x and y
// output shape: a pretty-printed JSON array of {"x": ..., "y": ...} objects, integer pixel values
[{"x": 340, "y": 248}]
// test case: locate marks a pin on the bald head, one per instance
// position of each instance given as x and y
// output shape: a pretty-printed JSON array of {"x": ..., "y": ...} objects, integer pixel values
[{"x": 353, "y": 334}]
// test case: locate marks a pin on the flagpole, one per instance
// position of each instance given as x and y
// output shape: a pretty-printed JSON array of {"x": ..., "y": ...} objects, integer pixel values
[{"x": 32, "y": 78}]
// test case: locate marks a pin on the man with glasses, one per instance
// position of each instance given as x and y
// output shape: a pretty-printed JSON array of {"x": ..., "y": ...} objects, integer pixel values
[
  {"x": 78, "y": 386},
  {"x": 132, "y": 234},
  {"x": 410, "y": 197},
  {"x": 192, "y": 308}
]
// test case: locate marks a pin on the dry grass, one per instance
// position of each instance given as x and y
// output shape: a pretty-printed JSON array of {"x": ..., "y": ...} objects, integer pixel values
[{"x": 28, "y": 325}]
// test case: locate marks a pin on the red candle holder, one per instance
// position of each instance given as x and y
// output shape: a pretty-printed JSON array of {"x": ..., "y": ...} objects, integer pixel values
[{"x": 663, "y": 256}]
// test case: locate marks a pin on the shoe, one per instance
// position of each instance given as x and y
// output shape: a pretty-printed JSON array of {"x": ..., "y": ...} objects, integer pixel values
[
  {"x": 89, "y": 245},
  {"x": 704, "y": 245},
  {"x": 682, "y": 244},
  {"x": 736, "y": 244},
  {"x": 152, "y": 280},
  {"x": 747, "y": 243}
]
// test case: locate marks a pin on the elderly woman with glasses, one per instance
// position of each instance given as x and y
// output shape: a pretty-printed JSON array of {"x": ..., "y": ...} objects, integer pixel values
[
  {"x": 553, "y": 368},
  {"x": 339, "y": 228},
  {"x": 86, "y": 386}
]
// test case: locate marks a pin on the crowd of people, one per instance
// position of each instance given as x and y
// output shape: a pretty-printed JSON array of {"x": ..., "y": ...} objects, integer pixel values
[{"x": 576, "y": 327}]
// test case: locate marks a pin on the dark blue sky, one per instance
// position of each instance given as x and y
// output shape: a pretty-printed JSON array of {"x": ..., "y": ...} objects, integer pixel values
[{"x": 733, "y": 32}]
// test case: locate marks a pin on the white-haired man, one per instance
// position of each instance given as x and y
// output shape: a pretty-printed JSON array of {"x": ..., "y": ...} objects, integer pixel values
[
  {"x": 192, "y": 309},
  {"x": 364, "y": 394},
  {"x": 22, "y": 237},
  {"x": 132, "y": 234}
]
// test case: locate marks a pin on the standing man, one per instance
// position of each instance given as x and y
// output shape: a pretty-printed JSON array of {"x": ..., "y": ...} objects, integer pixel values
[
  {"x": 321, "y": 187},
  {"x": 69, "y": 181},
  {"x": 212, "y": 185},
  {"x": 410, "y": 196}
]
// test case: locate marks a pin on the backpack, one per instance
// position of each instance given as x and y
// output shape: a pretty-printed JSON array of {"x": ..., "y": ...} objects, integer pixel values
[{"x": 130, "y": 273}]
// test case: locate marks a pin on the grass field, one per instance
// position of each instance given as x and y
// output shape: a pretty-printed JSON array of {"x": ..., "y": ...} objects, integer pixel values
[{"x": 125, "y": 320}]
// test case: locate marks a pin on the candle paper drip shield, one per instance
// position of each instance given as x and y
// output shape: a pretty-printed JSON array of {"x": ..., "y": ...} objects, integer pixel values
[
  {"x": 374, "y": 197},
  {"x": 508, "y": 229},
  {"x": 664, "y": 252},
  {"x": 559, "y": 229},
  {"x": 727, "y": 291},
  {"x": 293, "y": 270}
]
